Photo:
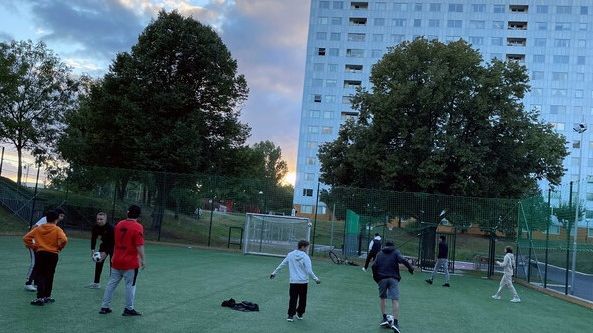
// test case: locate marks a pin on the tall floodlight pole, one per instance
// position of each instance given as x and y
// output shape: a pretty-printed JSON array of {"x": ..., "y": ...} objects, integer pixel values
[{"x": 580, "y": 128}]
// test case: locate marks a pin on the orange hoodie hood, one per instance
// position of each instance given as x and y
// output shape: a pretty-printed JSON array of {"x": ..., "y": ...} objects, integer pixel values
[{"x": 47, "y": 237}]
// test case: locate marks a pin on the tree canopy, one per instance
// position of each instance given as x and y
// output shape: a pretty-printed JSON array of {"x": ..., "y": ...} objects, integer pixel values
[
  {"x": 437, "y": 119},
  {"x": 36, "y": 89},
  {"x": 171, "y": 104}
]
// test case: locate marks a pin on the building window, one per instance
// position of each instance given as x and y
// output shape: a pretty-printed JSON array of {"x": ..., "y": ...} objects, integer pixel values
[
  {"x": 418, "y": 7},
  {"x": 356, "y": 37},
  {"x": 324, "y": 4},
  {"x": 321, "y": 51},
  {"x": 353, "y": 68},
  {"x": 379, "y": 22},
  {"x": 317, "y": 83},
  {"x": 454, "y": 24},
  {"x": 321, "y": 210},
  {"x": 477, "y": 24},
  {"x": 541, "y": 9},
  {"x": 358, "y": 21},
  {"x": 537, "y": 75},
  {"x": 399, "y": 22},
  {"x": 323, "y": 20},
  {"x": 330, "y": 98},
  {"x": 578, "y": 93},
  {"x": 381, "y": 6},
  {"x": 355, "y": 53},
  {"x": 558, "y": 126},
  {"x": 580, "y": 77},
  {"x": 499, "y": 8},
  {"x": 558, "y": 109},
  {"x": 559, "y": 76},
  {"x": 584, "y": 10},
  {"x": 397, "y": 38},
  {"x": 497, "y": 24},
  {"x": 400, "y": 7},
  {"x": 562, "y": 43},
  {"x": 307, "y": 192},
  {"x": 326, "y": 130},
  {"x": 562, "y": 26},
  {"x": 452, "y": 38},
  {"x": 313, "y": 129},
  {"x": 433, "y": 23},
  {"x": 583, "y": 27},
  {"x": 376, "y": 53},
  {"x": 496, "y": 41},
  {"x": 338, "y": 5},
  {"x": 309, "y": 177},
  {"x": 334, "y": 52},
  {"x": 352, "y": 84},
  {"x": 347, "y": 99},
  {"x": 317, "y": 98},
  {"x": 540, "y": 42},
  {"x": 434, "y": 7},
  {"x": 478, "y": 8},
  {"x": 377, "y": 37},
  {"x": 559, "y": 92},
  {"x": 311, "y": 161},
  {"x": 335, "y": 36},
  {"x": 331, "y": 83},
  {"x": 314, "y": 113},
  {"x": 580, "y": 60},
  {"x": 560, "y": 59},
  {"x": 333, "y": 68},
  {"x": 328, "y": 115},
  {"x": 336, "y": 21},
  {"x": 563, "y": 9},
  {"x": 537, "y": 91},
  {"x": 306, "y": 209},
  {"x": 582, "y": 43},
  {"x": 417, "y": 23},
  {"x": 455, "y": 8},
  {"x": 311, "y": 144},
  {"x": 542, "y": 26},
  {"x": 539, "y": 58},
  {"x": 476, "y": 40},
  {"x": 318, "y": 67},
  {"x": 321, "y": 35}
]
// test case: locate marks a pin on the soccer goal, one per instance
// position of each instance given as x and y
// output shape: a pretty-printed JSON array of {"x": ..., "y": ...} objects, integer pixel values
[{"x": 274, "y": 235}]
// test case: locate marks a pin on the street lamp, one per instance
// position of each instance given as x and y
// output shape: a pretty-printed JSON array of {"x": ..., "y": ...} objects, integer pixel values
[{"x": 579, "y": 128}]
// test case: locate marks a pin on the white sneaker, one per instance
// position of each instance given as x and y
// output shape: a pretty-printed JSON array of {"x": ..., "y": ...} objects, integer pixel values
[
  {"x": 94, "y": 286},
  {"x": 364, "y": 269},
  {"x": 299, "y": 317},
  {"x": 516, "y": 300},
  {"x": 495, "y": 296},
  {"x": 30, "y": 287}
]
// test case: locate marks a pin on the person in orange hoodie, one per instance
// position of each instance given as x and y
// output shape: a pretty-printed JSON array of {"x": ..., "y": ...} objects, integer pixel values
[{"x": 47, "y": 240}]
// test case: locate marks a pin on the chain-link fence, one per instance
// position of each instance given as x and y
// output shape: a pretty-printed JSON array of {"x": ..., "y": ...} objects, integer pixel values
[{"x": 556, "y": 241}]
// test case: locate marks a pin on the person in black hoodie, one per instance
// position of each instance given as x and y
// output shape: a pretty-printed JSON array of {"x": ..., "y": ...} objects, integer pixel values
[
  {"x": 442, "y": 262},
  {"x": 105, "y": 230},
  {"x": 386, "y": 274}
]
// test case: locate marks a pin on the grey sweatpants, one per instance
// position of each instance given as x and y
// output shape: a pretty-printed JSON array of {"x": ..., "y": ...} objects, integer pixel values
[
  {"x": 129, "y": 277},
  {"x": 444, "y": 264}
]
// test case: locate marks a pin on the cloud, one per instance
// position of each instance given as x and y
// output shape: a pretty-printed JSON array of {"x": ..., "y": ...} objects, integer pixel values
[
  {"x": 268, "y": 38},
  {"x": 5, "y": 36}
]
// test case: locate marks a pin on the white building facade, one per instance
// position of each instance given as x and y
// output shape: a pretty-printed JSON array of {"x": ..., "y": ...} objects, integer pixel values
[{"x": 552, "y": 38}]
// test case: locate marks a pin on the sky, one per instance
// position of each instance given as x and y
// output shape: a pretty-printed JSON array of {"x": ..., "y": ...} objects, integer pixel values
[{"x": 267, "y": 37}]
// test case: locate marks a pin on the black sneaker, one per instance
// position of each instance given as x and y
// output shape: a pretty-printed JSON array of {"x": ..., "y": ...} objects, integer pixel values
[
  {"x": 289, "y": 318},
  {"x": 49, "y": 300},
  {"x": 429, "y": 281},
  {"x": 131, "y": 313},
  {"x": 105, "y": 311},
  {"x": 447, "y": 285},
  {"x": 38, "y": 302},
  {"x": 395, "y": 328}
]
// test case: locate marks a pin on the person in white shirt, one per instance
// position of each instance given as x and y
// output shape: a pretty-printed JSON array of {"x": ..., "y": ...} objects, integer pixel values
[
  {"x": 29, "y": 284},
  {"x": 299, "y": 268},
  {"x": 508, "y": 265}
]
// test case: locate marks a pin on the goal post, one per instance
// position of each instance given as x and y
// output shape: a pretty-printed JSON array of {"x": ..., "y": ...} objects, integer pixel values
[{"x": 274, "y": 235}]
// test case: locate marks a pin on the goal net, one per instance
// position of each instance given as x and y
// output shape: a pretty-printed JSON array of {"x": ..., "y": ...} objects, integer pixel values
[{"x": 274, "y": 235}]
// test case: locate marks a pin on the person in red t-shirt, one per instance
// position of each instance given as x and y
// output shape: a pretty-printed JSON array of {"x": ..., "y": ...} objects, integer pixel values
[{"x": 128, "y": 256}]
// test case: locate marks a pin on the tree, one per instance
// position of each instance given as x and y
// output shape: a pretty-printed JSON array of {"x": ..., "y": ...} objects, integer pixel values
[
  {"x": 35, "y": 90},
  {"x": 438, "y": 120},
  {"x": 264, "y": 161}
]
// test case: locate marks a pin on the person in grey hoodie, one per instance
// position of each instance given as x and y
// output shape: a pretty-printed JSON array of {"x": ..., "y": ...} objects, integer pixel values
[
  {"x": 299, "y": 268},
  {"x": 508, "y": 266}
]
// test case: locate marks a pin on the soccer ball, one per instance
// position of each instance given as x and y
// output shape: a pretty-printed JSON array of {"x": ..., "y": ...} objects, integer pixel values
[
  {"x": 309, "y": 224},
  {"x": 97, "y": 257},
  {"x": 390, "y": 318}
]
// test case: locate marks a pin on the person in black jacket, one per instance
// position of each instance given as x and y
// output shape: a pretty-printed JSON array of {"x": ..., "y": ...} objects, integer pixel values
[
  {"x": 442, "y": 262},
  {"x": 386, "y": 274},
  {"x": 105, "y": 230}
]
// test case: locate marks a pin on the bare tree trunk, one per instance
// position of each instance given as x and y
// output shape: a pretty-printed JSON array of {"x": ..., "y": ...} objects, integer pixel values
[{"x": 19, "y": 174}]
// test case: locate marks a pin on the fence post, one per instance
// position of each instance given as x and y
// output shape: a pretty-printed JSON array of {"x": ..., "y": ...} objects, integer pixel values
[
  {"x": 547, "y": 238},
  {"x": 568, "y": 228},
  {"x": 211, "y": 215},
  {"x": 315, "y": 221},
  {"x": 34, "y": 194}
]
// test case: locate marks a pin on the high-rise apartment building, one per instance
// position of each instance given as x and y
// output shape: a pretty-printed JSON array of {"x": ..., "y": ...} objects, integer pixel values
[{"x": 552, "y": 38}]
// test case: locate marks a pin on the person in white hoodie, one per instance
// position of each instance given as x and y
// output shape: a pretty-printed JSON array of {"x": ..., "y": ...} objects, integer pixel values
[
  {"x": 374, "y": 248},
  {"x": 299, "y": 268},
  {"x": 508, "y": 265}
]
